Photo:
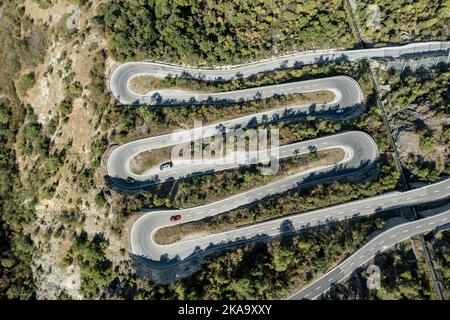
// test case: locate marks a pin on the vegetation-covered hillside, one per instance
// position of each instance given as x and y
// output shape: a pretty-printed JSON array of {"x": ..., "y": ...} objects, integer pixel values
[
  {"x": 217, "y": 31},
  {"x": 21, "y": 45},
  {"x": 418, "y": 105},
  {"x": 404, "y": 20}
]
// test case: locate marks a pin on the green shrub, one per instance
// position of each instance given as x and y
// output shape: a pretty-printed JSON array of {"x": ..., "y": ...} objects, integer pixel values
[
  {"x": 100, "y": 200},
  {"x": 65, "y": 107},
  {"x": 26, "y": 82}
]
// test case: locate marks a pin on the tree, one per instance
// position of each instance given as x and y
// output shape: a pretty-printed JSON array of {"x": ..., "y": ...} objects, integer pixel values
[{"x": 26, "y": 81}]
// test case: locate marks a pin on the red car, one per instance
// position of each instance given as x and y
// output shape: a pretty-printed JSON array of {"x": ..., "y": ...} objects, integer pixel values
[{"x": 175, "y": 217}]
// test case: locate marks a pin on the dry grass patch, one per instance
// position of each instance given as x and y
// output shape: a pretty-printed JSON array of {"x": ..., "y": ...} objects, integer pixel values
[
  {"x": 148, "y": 159},
  {"x": 144, "y": 83}
]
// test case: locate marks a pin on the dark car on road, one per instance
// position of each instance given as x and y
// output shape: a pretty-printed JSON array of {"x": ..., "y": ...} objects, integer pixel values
[
  {"x": 175, "y": 217},
  {"x": 166, "y": 165}
]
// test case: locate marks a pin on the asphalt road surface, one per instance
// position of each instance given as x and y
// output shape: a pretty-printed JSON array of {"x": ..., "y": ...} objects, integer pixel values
[
  {"x": 375, "y": 246},
  {"x": 348, "y": 98},
  {"x": 143, "y": 230},
  {"x": 119, "y": 81},
  {"x": 359, "y": 148},
  {"x": 360, "y": 151}
]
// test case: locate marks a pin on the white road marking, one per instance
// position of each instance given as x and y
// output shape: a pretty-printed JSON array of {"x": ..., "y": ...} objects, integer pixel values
[{"x": 395, "y": 201}]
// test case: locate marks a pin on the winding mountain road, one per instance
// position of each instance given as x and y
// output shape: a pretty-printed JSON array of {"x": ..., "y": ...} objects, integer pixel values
[
  {"x": 359, "y": 148},
  {"x": 360, "y": 152},
  {"x": 143, "y": 230},
  {"x": 120, "y": 78},
  {"x": 348, "y": 98}
]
